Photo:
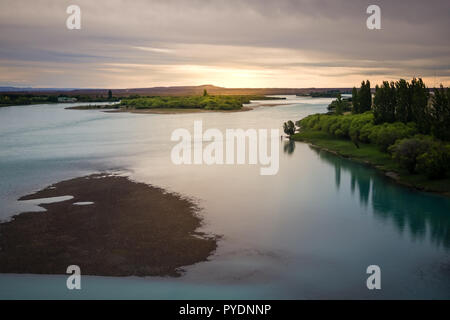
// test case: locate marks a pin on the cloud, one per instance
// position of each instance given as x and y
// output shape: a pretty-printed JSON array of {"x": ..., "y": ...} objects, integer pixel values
[
  {"x": 157, "y": 50},
  {"x": 291, "y": 43}
]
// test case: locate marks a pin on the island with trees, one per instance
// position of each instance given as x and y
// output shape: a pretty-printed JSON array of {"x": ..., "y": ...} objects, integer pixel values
[
  {"x": 175, "y": 104},
  {"x": 403, "y": 130}
]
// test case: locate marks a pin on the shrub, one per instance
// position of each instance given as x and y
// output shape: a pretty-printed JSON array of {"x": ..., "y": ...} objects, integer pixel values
[
  {"x": 365, "y": 132},
  {"x": 358, "y": 123},
  {"x": 423, "y": 154},
  {"x": 339, "y": 133},
  {"x": 435, "y": 162},
  {"x": 327, "y": 122},
  {"x": 387, "y": 133},
  {"x": 406, "y": 151},
  {"x": 344, "y": 125},
  {"x": 360, "y": 127}
]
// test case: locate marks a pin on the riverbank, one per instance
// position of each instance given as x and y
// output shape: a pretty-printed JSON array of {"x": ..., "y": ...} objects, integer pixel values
[
  {"x": 111, "y": 227},
  {"x": 370, "y": 154}
]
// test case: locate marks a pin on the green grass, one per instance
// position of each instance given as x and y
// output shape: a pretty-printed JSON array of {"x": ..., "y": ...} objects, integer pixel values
[{"x": 370, "y": 154}]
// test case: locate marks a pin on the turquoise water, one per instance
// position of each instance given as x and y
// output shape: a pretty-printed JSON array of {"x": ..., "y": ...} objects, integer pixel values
[{"x": 308, "y": 232}]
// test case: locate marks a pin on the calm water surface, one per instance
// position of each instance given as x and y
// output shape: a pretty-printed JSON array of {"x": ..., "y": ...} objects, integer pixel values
[{"x": 308, "y": 232}]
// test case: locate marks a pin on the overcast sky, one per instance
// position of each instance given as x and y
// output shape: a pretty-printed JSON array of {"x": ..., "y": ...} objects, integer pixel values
[{"x": 231, "y": 43}]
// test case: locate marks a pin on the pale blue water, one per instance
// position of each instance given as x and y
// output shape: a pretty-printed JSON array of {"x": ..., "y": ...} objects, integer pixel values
[{"x": 308, "y": 232}]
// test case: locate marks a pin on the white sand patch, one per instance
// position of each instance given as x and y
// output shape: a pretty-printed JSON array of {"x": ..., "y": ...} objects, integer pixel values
[{"x": 83, "y": 203}]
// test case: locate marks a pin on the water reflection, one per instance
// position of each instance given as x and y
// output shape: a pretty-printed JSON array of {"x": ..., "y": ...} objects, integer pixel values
[
  {"x": 403, "y": 207},
  {"x": 289, "y": 147}
]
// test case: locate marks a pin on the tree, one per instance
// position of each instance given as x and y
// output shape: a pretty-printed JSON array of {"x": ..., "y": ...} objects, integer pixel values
[
  {"x": 109, "y": 94},
  {"x": 403, "y": 108},
  {"x": 406, "y": 152},
  {"x": 205, "y": 93},
  {"x": 355, "y": 101},
  {"x": 365, "y": 97},
  {"x": 435, "y": 162},
  {"x": 419, "y": 103},
  {"x": 289, "y": 128},
  {"x": 384, "y": 103},
  {"x": 339, "y": 105},
  {"x": 440, "y": 114}
]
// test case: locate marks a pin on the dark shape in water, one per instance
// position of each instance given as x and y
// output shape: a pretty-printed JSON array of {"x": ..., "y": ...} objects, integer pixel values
[
  {"x": 289, "y": 147},
  {"x": 130, "y": 229}
]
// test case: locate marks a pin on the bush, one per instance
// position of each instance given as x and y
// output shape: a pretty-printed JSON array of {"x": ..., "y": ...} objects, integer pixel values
[
  {"x": 365, "y": 132},
  {"x": 360, "y": 127},
  {"x": 339, "y": 133},
  {"x": 386, "y": 134},
  {"x": 406, "y": 151},
  {"x": 435, "y": 162},
  {"x": 357, "y": 125},
  {"x": 423, "y": 154}
]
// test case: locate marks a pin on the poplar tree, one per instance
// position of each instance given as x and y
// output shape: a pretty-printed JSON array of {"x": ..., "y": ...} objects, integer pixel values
[
  {"x": 419, "y": 103},
  {"x": 365, "y": 97},
  {"x": 384, "y": 103},
  {"x": 403, "y": 108},
  {"x": 441, "y": 114}
]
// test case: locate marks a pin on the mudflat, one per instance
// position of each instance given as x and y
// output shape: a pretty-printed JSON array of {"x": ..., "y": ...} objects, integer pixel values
[{"x": 121, "y": 228}]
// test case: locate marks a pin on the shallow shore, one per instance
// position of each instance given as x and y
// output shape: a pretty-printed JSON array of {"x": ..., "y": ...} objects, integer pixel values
[{"x": 121, "y": 228}]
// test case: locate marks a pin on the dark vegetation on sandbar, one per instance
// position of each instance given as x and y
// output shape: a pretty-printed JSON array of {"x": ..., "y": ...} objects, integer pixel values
[
  {"x": 130, "y": 229},
  {"x": 204, "y": 102}
]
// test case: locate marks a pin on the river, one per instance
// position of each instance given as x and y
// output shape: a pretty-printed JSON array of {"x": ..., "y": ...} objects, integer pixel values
[{"x": 308, "y": 232}]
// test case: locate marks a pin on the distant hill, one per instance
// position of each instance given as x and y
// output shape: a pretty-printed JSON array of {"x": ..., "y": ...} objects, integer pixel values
[
  {"x": 13, "y": 89},
  {"x": 172, "y": 91},
  {"x": 31, "y": 89}
]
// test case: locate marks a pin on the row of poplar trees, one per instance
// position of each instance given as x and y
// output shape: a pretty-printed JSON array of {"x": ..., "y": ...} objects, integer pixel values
[{"x": 404, "y": 101}]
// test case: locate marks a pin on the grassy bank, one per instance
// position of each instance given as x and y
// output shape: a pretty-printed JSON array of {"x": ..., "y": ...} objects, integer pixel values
[{"x": 370, "y": 154}]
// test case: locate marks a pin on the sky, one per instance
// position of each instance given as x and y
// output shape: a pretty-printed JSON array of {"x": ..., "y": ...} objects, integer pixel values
[{"x": 229, "y": 43}]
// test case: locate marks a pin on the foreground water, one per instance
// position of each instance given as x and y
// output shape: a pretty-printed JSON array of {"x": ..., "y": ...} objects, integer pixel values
[{"x": 308, "y": 232}]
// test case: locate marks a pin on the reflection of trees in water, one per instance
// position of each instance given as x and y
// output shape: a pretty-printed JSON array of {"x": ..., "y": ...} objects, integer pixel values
[
  {"x": 337, "y": 174},
  {"x": 418, "y": 212},
  {"x": 360, "y": 176},
  {"x": 289, "y": 147}
]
